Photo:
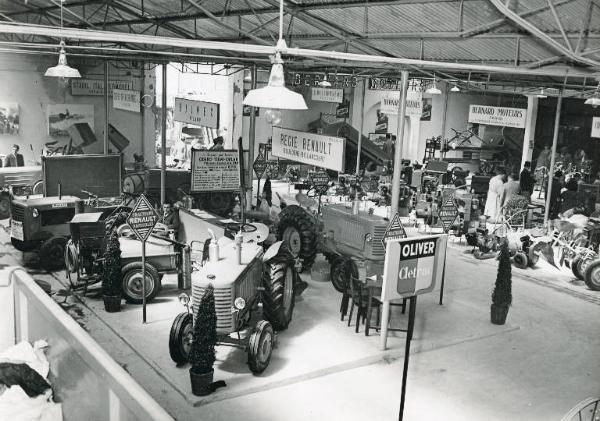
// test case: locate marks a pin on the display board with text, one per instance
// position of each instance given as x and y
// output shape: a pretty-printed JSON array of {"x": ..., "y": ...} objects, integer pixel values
[{"x": 215, "y": 171}]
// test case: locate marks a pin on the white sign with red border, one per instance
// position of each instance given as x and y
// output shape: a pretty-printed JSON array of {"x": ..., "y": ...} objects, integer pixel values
[{"x": 309, "y": 148}]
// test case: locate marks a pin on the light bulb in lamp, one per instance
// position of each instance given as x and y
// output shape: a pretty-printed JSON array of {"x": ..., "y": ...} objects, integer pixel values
[{"x": 273, "y": 116}]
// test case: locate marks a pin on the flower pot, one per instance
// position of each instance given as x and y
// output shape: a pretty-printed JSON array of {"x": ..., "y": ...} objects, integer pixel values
[
  {"x": 498, "y": 314},
  {"x": 112, "y": 303},
  {"x": 201, "y": 382}
]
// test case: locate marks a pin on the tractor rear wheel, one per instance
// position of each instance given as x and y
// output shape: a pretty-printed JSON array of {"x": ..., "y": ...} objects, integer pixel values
[
  {"x": 279, "y": 280},
  {"x": 520, "y": 260},
  {"x": 260, "y": 347},
  {"x": 52, "y": 253},
  {"x": 298, "y": 230},
  {"x": 180, "y": 338},
  {"x": 220, "y": 203},
  {"x": 592, "y": 275},
  {"x": 131, "y": 275}
]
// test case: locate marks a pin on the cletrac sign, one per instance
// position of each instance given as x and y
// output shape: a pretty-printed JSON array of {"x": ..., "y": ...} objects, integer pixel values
[{"x": 413, "y": 266}]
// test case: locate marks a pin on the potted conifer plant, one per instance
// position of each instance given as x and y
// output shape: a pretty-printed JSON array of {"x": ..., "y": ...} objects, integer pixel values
[
  {"x": 502, "y": 294},
  {"x": 202, "y": 353},
  {"x": 111, "y": 274}
]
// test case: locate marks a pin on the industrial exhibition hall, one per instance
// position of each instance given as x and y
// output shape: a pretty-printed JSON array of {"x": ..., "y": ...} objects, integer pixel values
[{"x": 299, "y": 210}]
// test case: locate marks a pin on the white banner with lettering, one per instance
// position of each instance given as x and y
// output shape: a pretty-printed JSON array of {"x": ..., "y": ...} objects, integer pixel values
[
  {"x": 126, "y": 100},
  {"x": 596, "y": 127},
  {"x": 309, "y": 148},
  {"x": 199, "y": 113},
  {"x": 497, "y": 116},
  {"x": 390, "y": 101},
  {"x": 95, "y": 87},
  {"x": 327, "y": 94}
]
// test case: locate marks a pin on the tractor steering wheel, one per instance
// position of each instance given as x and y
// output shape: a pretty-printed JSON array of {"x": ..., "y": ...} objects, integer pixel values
[{"x": 237, "y": 226}]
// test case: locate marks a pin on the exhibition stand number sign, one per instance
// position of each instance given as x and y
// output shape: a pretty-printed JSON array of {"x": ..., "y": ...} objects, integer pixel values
[
  {"x": 309, "y": 148},
  {"x": 215, "y": 171}
]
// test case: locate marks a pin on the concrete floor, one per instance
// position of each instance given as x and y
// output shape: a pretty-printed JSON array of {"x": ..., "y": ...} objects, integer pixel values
[{"x": 536, "y": 367}]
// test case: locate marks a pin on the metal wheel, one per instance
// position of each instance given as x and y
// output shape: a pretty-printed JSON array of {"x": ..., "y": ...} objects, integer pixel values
[
  {"x": 260, "y": 347},
  {"x": 132, "y": 282},
  {"x": 180, "y": 338},
  {"x": 291, "y": 237},
  {"x": 520, "y": 260},
  {"x": 591, "y": 275}
]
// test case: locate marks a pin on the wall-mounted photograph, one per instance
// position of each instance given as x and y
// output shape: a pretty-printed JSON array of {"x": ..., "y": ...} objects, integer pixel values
[
  {"x": 63, "y": 116},
  {"x": 9, "y": 119}
]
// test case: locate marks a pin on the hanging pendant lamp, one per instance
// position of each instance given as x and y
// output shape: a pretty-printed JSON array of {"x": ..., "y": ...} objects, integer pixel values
[
  {"x": 594, "y": 101},
  {"x": 275, "y": 95},
  {"x": 434, "y": 90},
  {"x": 62, "y": 69},
  {"x": 325, "y": 83}
]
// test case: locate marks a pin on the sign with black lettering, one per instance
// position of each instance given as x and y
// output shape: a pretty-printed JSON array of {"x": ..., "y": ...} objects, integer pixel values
[
  {"x": 215, "y": 170},
  {"x": 394, "y": 231},
  {"x": 95, "y": 87},
  {"x": 260, "y": 165},
  {"x": 412, "y": 266},
  {"x": 497, "y": 116},
  {"x": 448, "y": 212},
  {"x": 126, "y": 100},
  {"x": 199, "y": 113},
  {"x": 142, "y": 218},
  {"x": 309, "y": 148}
]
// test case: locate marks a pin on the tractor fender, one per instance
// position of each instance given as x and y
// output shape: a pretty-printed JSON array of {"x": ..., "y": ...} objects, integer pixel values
[{"x": 272, "y": 251}]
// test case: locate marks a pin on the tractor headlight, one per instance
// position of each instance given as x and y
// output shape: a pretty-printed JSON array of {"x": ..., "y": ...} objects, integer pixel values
[
  {"x": 239, "y": 303},
  {"x": 184, "y": 298},
  {"x": 368, "y": 238},
  {"x": 35, "y": 213}
]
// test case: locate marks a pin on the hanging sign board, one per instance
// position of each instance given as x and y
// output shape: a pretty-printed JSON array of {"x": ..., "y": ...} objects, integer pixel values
[
  {"x": 199, "y": 113},
  {"x": 394, "y": 84},
  {"x": 390, "y": 102},
  {"x": 497, "y": 116},
  {"x": 126, "y": 100},
  {"x": 215, "y": 170},
  {"x": 95, "y": 87},
  {"x": 394, "y": 231},
  {"x": 319, "y": 179},
  {"x": 596, "y": 127},
  {"x": 142, "y": 218},
  {"x": 412, "y": 266},
  {"x": 327, "y": 94},
  {"x": 448, "y": 212},
  {"x": 260, "y": 165},
  {"x": 309, "y": 148},
  {"x": 311, "y": 79}
]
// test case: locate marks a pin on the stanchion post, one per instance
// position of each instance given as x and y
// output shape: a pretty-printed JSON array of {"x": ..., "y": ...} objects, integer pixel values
[
  {"x": 144, "y": 281},
  {"x": 385, "y": 319},
  {"x": 443, "y": 278},
  {"x": 409, "y": 335}
]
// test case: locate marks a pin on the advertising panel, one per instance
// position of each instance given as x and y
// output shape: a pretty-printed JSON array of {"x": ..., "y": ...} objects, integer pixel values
[
  {"x": 215, "y": 170},
  {"x": 199, "y": 113},
  {"x": 497, "y": 116}
]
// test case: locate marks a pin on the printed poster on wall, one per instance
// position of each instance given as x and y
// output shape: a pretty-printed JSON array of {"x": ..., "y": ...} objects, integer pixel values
[
  {"x": 215, "y": 170},
  {"x": 199, "y": 113},
  {"x": 9, "y": 119},
  {"x": 497, "y": 116},
  {"x": 309, "y": 148},
  {"x": 95, "y": 87},
  {"x": 63, "y": 116},
  {"x": 390, "y": 101},
  {"x": 126, "y": 100},
  {"x": 596, "y": 127}
]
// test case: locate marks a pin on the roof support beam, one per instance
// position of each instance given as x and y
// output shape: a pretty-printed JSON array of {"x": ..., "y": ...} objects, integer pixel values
[
  {"x": 541, "y": 35},
  {"x": 560, "y": 25}
]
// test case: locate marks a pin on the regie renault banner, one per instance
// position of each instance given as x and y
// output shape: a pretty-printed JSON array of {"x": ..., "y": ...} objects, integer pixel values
[
  {"x": 412, "y": 266},
  {"x": 498, "y": 116},
  {"x": 309, "y": 148},
  {"x": 596, "y": 127},
  {"x": 390, "y": 102}
]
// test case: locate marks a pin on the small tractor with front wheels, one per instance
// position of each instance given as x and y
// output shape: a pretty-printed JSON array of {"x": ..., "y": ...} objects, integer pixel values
[{"x": 254, "y": 294}]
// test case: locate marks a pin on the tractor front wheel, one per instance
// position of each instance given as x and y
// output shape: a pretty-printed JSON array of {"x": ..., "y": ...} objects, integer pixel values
[
  {"x": 180, "y": 338},
  {"x": 52, "y": 253},
  {"x": 592, "y": 275},
  {"x": 520, "y": 260},
  {"x": 131, "y": 275},
  {"x": 260, "y": 346},
  {"x": 338, "y": 274},
  {"x": 279, "y": 279},
  {"x": 576, "y": 267}
]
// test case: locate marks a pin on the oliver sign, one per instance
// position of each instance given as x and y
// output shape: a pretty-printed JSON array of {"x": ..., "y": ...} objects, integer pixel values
[
  {"x": 412, "y": 266},
  {"x": 142, "y": 218}
]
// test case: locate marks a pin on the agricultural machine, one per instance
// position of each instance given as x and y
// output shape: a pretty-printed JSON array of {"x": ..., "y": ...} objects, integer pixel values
[{"x": 254, "y": 291}]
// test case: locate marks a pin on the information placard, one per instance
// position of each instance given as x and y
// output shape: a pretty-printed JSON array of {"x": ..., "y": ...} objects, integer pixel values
[
  {"x": 448, "y": 212},
  {"x": 260, "y": 164},
  {"x": 390, "y": 101},
  {"x": 327, "y": 94},
  {"x": 126, "y": 100},
  {"x": 142, "y": 218},
  {"x": 394, "y": 231},
  {"x": 95, "y": 87},
  {"x": 596, "y": 127},
  {"x": 309, "y": 148},
  {"x": 497, "y": 116},
  {"x": 413, "y": 266},
  {"x": 215, "y": 171},
  {"x": 199, "y": 113}
]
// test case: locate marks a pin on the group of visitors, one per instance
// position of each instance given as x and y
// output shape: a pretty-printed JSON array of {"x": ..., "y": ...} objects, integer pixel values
[{"x": 503, "y": 187}]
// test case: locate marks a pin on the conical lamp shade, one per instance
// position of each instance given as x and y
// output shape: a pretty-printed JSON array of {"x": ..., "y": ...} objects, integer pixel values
[
  {"x": 594, "y": 101},
  {"x": 62, "y": 69},
  {"x": 275, "y": 94},
  {"x": 434, "y": 90}
]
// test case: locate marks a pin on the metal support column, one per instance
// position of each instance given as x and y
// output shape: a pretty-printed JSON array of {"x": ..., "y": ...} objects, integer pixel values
[
  {"x": 362, "y": 125},
  {"x": 399, "y": 144},
  {"x": 251, "y": 143},
  {"x": 553, "y": 160},
  {"x": 106, "y": 107},
  {"x": 143, "y": 110},
  {"x": 163, "y": 144}
]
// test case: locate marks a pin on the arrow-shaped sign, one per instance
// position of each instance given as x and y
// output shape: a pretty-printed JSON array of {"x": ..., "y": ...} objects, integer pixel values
[{"x": 394, "y": 230}]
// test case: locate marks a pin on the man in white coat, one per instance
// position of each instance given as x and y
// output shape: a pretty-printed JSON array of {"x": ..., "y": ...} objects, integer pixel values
[{"x": 494, "y": 195}]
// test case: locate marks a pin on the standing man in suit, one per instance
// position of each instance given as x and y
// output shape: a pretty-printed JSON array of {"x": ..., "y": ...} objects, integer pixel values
[{"x": 14, "y": 159}]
